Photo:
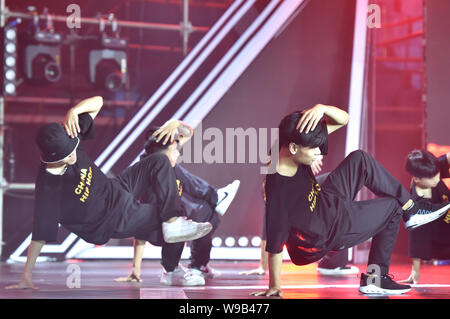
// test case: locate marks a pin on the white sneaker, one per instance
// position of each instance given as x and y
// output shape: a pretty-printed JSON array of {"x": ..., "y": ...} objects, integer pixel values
[
  {"x": 181, "y": 277},
  {"x": 183, "y": 229},
  {"x": 338, "y": 271},
  {"x": 423, "y": 212},
  {"x": 206, "y": 272},
  {"x": 226, "y": 195}
]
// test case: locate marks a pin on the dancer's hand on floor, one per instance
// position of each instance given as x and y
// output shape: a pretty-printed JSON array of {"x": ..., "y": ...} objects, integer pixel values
[
  {"x": 412, "y": 279},
  {"x": 25, "y": 283},
  {"x": 258, "y": 271},
  {"x": 131, "y": 278},
  {"x": 271, "y": 292}
]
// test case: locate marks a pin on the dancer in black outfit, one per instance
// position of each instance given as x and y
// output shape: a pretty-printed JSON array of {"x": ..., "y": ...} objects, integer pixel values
[
  {"x": 312, "y": 220},
  {"x": 334, "y": 263},
  {"x": 200, "y": 202},
  {"x": 431, "y": 240},
  {"x": 73, "y": 191}
]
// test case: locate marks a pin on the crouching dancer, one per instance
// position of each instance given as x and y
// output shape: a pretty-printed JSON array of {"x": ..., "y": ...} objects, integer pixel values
[
  {"x": 73, "y": 191},
  {"x": 201, "y": 202},
  {"x": 313, "y": 219}
]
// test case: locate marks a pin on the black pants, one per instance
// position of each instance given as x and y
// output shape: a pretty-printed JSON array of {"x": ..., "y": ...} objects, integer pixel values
[
  {"x": 199, "y": 199},
  {"x": 378, "y": 218},
  {"x": 333, "y": 259},
  {"x": 141, "y": 219}
]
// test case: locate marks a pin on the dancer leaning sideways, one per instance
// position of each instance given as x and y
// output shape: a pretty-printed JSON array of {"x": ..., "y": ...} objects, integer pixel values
[
  {"x": 201, "y": 202},
  {"x": 72, "y": 191},
  {"x": 312, "y": 219}
]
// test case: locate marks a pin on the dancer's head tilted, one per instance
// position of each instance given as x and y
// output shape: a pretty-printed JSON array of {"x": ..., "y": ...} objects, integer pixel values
[
  {"x": 171, "y": 149},
  {"x": 56, "y": 146},
  {"x": 424, "y": 167},
  {"x": 303, "y": 147}
]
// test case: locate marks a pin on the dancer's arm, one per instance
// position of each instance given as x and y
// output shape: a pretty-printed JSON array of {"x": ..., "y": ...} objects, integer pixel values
[
  {"x": 336, "y": 118},
  {"x": 172, "y": 127},
  {"x": 275, "y": 263},
  {"x": 135, "y": 275},
  {"x": 262, "y": 268},
  {"x": 91, "y": 106},
  {"x": 33, "y": 252}
]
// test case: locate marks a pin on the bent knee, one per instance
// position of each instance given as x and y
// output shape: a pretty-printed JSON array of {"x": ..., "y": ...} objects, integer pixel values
[{"x": 357, "y": 153}]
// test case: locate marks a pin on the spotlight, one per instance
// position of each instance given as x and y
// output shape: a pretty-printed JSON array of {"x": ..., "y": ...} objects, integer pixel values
[
  {"x": 243, "y": 241},
  {"x": 43, "y": 57},
  {"x": 10, "y": 58},
  {"x": 10, "y": 75},
  {"x": 45, "y": 68},
  {"x": 10, "y": 89},
  {"x": 216, "y": 242},
  {"x": 230, "y": 241},
  {"x": 108, "y": 66},
  {"x": 43, "y": 52},
  {"x": 11, "y": 34},
  {"x": 256, "y": 241}
]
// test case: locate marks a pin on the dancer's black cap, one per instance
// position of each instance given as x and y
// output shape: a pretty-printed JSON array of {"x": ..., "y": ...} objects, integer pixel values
[{"x": 54, "y": 143}]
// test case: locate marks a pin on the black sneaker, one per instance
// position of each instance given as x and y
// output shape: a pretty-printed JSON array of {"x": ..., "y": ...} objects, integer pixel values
[
  {"x": 423, "y": 212},
  {"x": 385, "y": 285}
]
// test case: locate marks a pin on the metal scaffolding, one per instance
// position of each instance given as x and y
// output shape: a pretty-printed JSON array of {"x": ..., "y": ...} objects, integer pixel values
[{"x": 185, "y": 28}]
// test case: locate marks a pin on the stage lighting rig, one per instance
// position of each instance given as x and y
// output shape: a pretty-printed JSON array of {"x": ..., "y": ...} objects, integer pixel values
[
  {"x": 10, "y": 58},
  {"x": 43, "y": 53},
  {"x": 108, "y": 62}
]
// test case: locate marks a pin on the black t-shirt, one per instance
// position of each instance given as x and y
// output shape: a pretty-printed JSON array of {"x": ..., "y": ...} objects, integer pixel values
[
  {"x": 428, "y": 241},
  {"x": 303, "y": 216},
  {"x": 84, "y": 200}
]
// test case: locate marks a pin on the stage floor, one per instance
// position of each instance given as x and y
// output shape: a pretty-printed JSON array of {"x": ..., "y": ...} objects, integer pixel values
[{"x": 97, "y": 282}]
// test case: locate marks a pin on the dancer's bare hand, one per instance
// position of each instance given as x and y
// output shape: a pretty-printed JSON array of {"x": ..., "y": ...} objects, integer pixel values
[
  {"x": 412, "y": 279},
  {"x": 258, "y": 271},
  {"x": 271, "y": 292},
  {"x": 311, "y": 118},
  {"x": 317, "y": 164},
  {"x": 25, "y": 283},
  {"x": 71, "y": 124},
  {"x": 130, "y": 278},
  {"x": 167, "y": 131}
]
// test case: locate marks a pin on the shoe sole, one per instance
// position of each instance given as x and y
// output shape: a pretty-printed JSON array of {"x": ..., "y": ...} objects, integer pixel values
[
  {"x": 201, "y": 231},
  {"x": 186, "y": 284},
  {"x": 372, "y": 289},
  {"x": 334, "y": 272},
  {"x": 226, "y": 202},
  {"x": 426, "y": 219},
  {"x": 181, "y": 284}
]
